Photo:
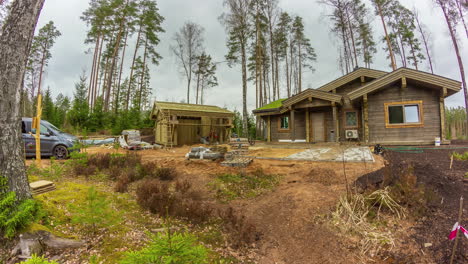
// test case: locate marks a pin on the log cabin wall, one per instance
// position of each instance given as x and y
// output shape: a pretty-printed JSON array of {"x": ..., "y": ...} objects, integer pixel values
[{"x": 378, "y": 132}]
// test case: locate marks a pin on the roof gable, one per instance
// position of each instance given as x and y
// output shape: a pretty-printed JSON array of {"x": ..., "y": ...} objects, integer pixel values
[
  {"x": 451, "y": 85},
  {"x": 371, "y": 73},
  {"x": 181, "y": 108}
]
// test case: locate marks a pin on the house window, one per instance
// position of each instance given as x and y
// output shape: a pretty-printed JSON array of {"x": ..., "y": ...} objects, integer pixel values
[
  {"x": 404, "y": 114},
  {"x": 351, "y": 119},
  {"x": 284, "y": 122}
]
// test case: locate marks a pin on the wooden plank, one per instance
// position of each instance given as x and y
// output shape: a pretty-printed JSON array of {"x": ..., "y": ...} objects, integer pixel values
[
  {"x": 442, "y": 117},
  {"x": 293, "y": 126},
  {"x": 366, "y": 119},
  {"x": 307, "y": 125},
  {"x": 269, "y": 129}
]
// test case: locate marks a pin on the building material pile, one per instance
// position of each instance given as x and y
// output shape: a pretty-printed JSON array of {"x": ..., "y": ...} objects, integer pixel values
[
  {"x": 205, "y": 153},
  {"x": 239, "y": 143},
  {"x": 39, "y": 187}
]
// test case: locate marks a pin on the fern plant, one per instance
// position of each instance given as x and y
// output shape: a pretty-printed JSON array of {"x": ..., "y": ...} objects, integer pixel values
[
  {"x": 169, "y": 248},
  {"x": 38, "y": 260},
  {"x": 14, "y": 214}
]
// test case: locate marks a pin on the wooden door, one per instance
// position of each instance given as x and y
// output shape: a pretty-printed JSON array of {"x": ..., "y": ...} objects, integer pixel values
[{"x": 318, "y": 127}]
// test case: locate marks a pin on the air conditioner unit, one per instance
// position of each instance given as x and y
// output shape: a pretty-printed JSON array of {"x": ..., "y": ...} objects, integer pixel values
[{"x": 351, "y": 134}]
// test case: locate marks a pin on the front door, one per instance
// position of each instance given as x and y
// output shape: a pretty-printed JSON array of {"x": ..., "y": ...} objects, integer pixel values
[{"x": 318, "y": 129}]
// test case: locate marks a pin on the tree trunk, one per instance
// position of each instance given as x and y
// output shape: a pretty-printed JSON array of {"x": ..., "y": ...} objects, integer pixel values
[
  {"x": 352, "y": 39},
  {"x": 390, "y": 50},
  {"x": 299, "y": 67},
  {"x": 460, "y": 10},
  {"x": 244, "y": 90},
  {"x": 93, "y": 68},
  {"x": 275, "y": 91},
  {"x": 288, "y": 82},
  {"x": 145, "y": 54},
  {"x": 96, "y": 78},
  {"x": 15, "y": 42},
  {"x": 426, "y": 46},
  {"x": 415, "y": 59},
  {"x": 457, "y": 52},
  {"x": 276, "y": 75},
  {"x": 117, "y": 96},
  {"x": 137, "y": 45}
]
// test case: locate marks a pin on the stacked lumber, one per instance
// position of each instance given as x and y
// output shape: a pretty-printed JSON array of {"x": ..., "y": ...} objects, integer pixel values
[
  {"x": 237, "y": 162},
  {"x": 39, "y": 187},
  {"x": 239, "y": 143}
]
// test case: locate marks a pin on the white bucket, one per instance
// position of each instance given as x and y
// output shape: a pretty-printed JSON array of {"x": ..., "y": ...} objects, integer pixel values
[{"x": 437, "y": 141}]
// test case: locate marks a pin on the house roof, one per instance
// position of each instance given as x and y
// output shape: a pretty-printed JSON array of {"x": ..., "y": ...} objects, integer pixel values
[
  {"x": 312, "y": 93},
  {"x": 351, "y": 77},
  {"x": 452, "y": 86},
  {"x": 178, "y": 108},
  {"x": 273, "y": 105}
]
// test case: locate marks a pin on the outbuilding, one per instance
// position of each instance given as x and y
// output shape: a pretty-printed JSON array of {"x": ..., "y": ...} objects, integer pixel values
[{"x": 187, "y": 124}]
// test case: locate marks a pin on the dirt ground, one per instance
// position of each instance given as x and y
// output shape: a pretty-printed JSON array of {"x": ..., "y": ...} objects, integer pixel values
[
  {"x": 291, "y": 218},
  {"x": 287, "y": 216},
  {"x": 432, "y": 169}
]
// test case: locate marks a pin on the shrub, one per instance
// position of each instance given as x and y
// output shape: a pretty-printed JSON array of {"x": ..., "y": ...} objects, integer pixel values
[
  {"x": 169, "y": 248},
  {"x": 233, "y": 186},
  {"x": 15, "y": 215},
  {"x": 122, "y": 183},
  {"x": 241, "y": 231},
  {"x": 38, "y": 260},
  {"x": 176, "y": 199},
  {"x": 166, "y": 174},
  {"x": 460, "y": 156},
  {"x": 95, "y": 212}
]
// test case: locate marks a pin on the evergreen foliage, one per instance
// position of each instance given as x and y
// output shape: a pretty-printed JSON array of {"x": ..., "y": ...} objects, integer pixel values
[
  {"x": 14, "y": 214},
  {"x": 95, "y": 212},
  {"x": 38, "y": 260},
  {"x": 169, "y": 248}
]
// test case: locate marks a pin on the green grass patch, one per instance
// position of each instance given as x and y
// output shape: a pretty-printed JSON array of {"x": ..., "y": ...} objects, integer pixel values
[
  {"x": 238, "y": 186},
  {"x": 460, "y": 156}
]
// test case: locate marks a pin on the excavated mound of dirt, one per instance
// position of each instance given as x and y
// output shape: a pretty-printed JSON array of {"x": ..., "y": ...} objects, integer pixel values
[
  {"x": 324, "y": 176},
  {"x": 432, "y": 170}
]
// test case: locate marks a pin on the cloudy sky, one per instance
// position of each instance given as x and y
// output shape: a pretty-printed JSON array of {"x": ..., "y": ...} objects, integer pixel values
[{"x": 69, "y": 57}]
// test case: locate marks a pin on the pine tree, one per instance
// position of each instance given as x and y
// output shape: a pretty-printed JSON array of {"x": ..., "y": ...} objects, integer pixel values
[
  {"x": 237, "y": 24},
  {"x": 382, "y": 10},
  {"x": 78, "y": 114},
  {"x": 205, "y": 72},
  {"x": 283, "y": 32},
  {"x": 305, "y": 52}
]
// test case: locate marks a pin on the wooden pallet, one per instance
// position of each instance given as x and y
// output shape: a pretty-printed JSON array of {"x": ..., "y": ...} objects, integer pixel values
[{"x": 237, "y": 162}]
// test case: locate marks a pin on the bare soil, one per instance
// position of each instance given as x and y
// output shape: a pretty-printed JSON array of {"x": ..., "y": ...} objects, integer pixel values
[{"x": 432, "y": 169}]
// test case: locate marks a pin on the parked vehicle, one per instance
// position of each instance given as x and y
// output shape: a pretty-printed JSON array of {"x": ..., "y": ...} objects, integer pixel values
[{"x": 54, "y": 142}]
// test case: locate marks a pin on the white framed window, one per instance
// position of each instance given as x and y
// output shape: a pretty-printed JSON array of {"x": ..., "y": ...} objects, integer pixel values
[{"x": 404, "y": 114}]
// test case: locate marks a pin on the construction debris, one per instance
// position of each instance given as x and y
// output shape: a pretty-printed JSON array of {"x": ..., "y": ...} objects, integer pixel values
[
  {"x": 131, "y": 140},
  {"x": 205, "y": 153},
  {"x": 240, "y": 161},
  {"x": 39, "y": 187},
  {"x": 239, "y": 143}
]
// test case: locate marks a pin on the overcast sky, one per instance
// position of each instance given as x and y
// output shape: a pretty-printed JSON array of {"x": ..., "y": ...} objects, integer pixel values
[{"x": 69, "y": 58}]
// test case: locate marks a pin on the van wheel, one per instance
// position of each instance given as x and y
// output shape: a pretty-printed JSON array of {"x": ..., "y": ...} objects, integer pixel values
[{"x": 60, "y": 152}]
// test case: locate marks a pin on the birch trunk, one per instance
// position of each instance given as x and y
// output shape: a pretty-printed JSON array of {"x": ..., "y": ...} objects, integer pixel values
[{"x": 15, "y": 42}]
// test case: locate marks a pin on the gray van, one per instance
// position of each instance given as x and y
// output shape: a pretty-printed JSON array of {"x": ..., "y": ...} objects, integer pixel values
[{"x": 54, "y": 142}]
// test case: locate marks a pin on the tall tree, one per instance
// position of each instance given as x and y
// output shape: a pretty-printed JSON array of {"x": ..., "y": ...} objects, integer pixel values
[
  {"x": 426, "y": 38},
  {"x": 17, "y": 31},
  {"x": 78, "y": 114},
  {"x": 283, "y": 38},
  {"x": 451, "y": 18},
  {"x": 305, "y": 52},
  {"x": 41, "y": 46},
  {"x": 237, "y": 24},
  {"x": 382, "y": 10},
  {"x": 462, "y": 7},
  {"x": 205, "y": 72},
  {"x": 188, "y": 46}
]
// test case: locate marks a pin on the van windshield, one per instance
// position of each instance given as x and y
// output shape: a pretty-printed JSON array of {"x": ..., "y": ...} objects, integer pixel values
[{"x": 53, "y": 127}]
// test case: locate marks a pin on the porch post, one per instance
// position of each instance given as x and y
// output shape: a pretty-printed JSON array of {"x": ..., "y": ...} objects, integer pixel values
[
  {"x": 293, "y": 129},
  {"x": 269, "y": 129},
  {"x": 442, "y": 113},
  {"x": 336, "y": 122},
  {"x": 307, "y": 125},
  {"x": 366, "y": 119}
]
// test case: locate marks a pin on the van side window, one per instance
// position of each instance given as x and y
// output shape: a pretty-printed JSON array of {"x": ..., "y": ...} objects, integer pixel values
[
  {"x": 23, "y": 127},
  {"x": 44, "y": 130}
]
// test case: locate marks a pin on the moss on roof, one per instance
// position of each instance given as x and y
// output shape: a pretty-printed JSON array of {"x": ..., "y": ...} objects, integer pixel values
[
  {"x": 272, "y": 105},
  {"x": 191, "y": 107}
]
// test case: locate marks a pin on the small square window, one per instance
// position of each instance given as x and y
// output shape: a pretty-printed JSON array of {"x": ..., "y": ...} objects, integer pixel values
[
  {"x": 284, "y": 122},
  {"x": 351, "y": 119}
]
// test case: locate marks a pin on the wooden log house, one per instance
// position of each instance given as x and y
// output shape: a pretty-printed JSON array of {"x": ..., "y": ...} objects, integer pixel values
[{"x": 405, "y": 106}]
